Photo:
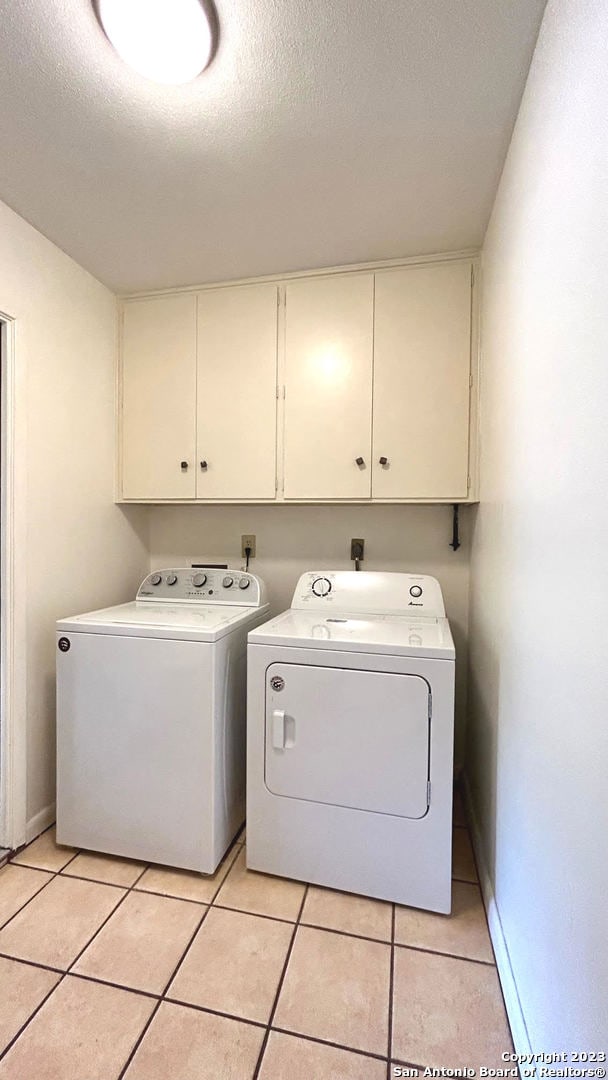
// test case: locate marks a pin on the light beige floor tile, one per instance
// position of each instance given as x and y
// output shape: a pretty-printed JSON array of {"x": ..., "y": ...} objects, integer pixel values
[
  {"x": 59, "y": 921},
  {"x": 337, "y": 988},
  {"x": 458, "y": 815},
  {"x": 45, "y": 853},
  {"x": 464, "y": 932},
  {"x": 185, "y": 884},
  {"x": 140, "y": 946},
  {"x": 463, "y": 862},
  {"x": 234, "y": 964},
  {"x": 184, "y": 1044},
  {"x": 260, "y": 894},
  {"x": 446, "y": 1011},
  {"x": 298, "y": 1059},
  {"x": 84, "y": 1031},
  {"x": 23, "y": 988},
  {"x": 107, "y": 868},
  {"x": 17, "y": 885},
  {"x": 347, "y": 912}
]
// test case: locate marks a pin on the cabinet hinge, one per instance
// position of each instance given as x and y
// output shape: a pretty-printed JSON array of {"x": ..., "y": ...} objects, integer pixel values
[
  {"x": 469, "y": 482},
  {"x": 280, "y": 392},
  {"x": 428, "y": 793}
]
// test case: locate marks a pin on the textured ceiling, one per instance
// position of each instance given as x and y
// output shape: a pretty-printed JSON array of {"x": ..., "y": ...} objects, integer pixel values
[{"x": 324, "y": 132}]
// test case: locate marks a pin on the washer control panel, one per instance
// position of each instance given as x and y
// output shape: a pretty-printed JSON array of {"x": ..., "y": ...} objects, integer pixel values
[
  {"x": 192, "y": 584},
  {"x": 370, "y": 592}
]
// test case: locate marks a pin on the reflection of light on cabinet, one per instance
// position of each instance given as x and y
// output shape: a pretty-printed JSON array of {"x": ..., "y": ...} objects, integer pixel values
[{"x": 330, "y": 363}]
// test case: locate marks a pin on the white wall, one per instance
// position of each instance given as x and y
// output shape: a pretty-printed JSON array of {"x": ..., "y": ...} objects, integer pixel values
[
  {"x": 538, "y": 735},
  {"x": 75, "y": 550},
  {"x": 293, "y": 539}
]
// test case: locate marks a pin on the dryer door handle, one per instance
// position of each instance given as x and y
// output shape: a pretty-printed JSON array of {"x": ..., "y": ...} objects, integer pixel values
[{"x": 278, "y": 729}]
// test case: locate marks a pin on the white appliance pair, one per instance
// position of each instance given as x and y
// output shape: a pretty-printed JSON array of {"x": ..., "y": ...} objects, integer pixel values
[{"x": 349, "y": 721}]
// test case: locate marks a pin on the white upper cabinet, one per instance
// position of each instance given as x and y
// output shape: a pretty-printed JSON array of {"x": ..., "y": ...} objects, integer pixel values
[
  {"x": 422, "y": 364},
  {"x": 357, "y": 387},
  {"x": 236, "y": 395},
  {"x": 328, "y": 387},
  {"x": 159, "y": 398}
]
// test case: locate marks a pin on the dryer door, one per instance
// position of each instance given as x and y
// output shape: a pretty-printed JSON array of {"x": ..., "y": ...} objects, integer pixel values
[{"x": 357, "y": 739}]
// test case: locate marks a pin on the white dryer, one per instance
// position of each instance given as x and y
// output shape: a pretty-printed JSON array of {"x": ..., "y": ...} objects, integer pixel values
[
  {"x": 350, "y": 720},
  {"x": 151, "y": 719}
]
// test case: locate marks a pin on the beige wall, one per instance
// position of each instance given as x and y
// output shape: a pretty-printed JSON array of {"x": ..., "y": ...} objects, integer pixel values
[
  {"x": 75, "y": 550},
  {"x": 538, "y": 745},
  {"x": 292, "y": 539}
]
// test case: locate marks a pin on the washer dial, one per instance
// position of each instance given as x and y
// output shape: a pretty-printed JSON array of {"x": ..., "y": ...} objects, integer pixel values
[
  {"x": 228, "y": 582},
  {"x": 156, "y": 579},
  {"x": 198, "y": 580},
  {"x": 171, "y": 579},
  {"x": 244, "y": 583},
  {"x": 321, "y": 586}
]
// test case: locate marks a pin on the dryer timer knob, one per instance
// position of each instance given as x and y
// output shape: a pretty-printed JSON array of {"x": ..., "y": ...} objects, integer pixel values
[
  {"x": 321, "y": 586},
  {"x": 416, "y": 590}
]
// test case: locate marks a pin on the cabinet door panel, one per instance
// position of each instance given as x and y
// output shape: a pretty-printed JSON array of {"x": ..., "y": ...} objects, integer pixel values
[
  {"x": 421, "y": 382},
  {"x": 328, "y": 356},
  {"x": 237, "y": 376},
  {"x": 158, "y": 397}
]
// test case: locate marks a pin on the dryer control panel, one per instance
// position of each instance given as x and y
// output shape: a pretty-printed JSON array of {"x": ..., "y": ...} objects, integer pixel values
[
  {"x": 370, "y": 592},
  {"x": 208, "y": 586}
]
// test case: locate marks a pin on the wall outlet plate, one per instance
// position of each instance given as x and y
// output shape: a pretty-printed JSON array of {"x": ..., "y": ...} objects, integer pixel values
[
  {"x": 248, "y": 541},
  {"x": 357, "y": 550}
]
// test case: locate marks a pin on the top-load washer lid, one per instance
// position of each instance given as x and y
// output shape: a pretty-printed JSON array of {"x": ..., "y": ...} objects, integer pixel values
[
  {"x": 348, "y": 611},
  {"x": 183, "y": 603}
]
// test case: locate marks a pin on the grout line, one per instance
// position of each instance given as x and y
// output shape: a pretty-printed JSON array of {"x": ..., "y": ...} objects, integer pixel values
[
  {"x": 40, "y": 870},
  {"x": 391, "y": 984},
  {"x": 441, "y": 952},
  {"x": 19, "y": 1033},
  {"x": 280, "y": 986},
  {"x": 326, "y": 1042},
  {"x": 256, "y": 914},
  {"x": 114, "y": 985},
  {"x": 162, "y": 998},
  {"x": 32, "y": 963},
  {"x": 347, "y": 933},
  {"x": 465, "y": 881},
  {"x": 215, "y": 1012}
]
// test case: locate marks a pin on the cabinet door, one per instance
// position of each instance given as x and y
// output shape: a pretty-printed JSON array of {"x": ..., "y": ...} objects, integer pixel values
[
  {"x": 328, "y": 376},
  {"x": 421, "y": 382},
  {"x": 236, "y": 395},
  {"x": 159, "y": 398}
]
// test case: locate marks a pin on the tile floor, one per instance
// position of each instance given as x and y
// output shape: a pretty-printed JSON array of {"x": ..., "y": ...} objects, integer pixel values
[{"x": 112, "y": 969}]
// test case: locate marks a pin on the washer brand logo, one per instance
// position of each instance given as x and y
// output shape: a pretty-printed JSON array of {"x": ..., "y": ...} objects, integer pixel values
[
  {"x": 63, "y": 644},
  {"x": 277, "y": 682}
]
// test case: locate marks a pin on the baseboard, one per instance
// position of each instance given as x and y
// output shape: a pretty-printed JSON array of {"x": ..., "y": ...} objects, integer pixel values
[
  {"x": 514, "y": 1009},
  {"x": 39, "y": 822}
]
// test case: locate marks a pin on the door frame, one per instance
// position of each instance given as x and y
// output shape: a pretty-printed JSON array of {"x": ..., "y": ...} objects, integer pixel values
[{"x": 12, "y": 597}]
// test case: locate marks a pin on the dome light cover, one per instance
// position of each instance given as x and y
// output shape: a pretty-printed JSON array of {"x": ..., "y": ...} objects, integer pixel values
[{"x": 168, "y": 41}]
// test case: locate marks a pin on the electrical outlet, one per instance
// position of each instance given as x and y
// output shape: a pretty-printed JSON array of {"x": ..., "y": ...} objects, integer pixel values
[
  {"x": 357, "y": 549},
  {"x": 248, "y": 542}
]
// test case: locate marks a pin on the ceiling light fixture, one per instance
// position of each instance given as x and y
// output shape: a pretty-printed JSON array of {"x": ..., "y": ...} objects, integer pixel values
[{"x": 168, "y": 41}]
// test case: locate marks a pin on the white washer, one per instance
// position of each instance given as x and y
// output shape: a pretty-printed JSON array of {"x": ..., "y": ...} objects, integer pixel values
[
  {"x": 151, "y": 719},
  {"x": 350, "y": 720}
]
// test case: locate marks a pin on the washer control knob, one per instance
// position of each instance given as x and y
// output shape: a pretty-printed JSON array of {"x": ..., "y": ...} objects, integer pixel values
[
  {"x": 416, "y": 590},
  {"x": 171, "y": 579},
  {"x": 321, "y": 586},
  {"x": 244, "y": 583},
  {"x": 198, "y": 580},
  {"x": 156, "y": 579},
  {"x": 228, "y": 582}
]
